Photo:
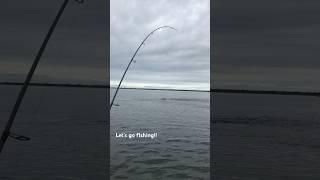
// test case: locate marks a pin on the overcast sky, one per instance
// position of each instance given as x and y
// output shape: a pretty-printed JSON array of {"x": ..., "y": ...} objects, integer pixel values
[
  {"x": 76, "y": 52},
  {"x": 271, "y": 45},
  {"x": 169, "y": 59},
  {"x": 258, "y": 44}
]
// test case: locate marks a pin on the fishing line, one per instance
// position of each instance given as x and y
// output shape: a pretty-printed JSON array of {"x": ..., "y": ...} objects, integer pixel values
[{"x": 142, "y": 43}]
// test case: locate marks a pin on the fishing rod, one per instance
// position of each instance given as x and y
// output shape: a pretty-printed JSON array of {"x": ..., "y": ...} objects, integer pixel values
[
  {"x": 115, "y": 94},
  {"x": 6, "y": 132}
]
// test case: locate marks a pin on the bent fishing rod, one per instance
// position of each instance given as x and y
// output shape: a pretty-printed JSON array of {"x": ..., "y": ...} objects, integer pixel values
[
  {"x": 115, "y": 94},
  {"x": 6, "y": 132}
]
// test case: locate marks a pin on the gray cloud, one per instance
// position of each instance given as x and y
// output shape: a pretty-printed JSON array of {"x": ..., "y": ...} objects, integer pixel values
[
  {"x": 266, "y": 42},
  {"x": 171, "y": 59},
  {"x": 77, "y": 47}
]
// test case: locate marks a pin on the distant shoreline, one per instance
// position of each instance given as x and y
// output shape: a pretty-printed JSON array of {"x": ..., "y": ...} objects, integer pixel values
[
  {"x": 266, "y": 92},
  {"x": 234, "y": 91},
  {"x": 91, "y": 86}
]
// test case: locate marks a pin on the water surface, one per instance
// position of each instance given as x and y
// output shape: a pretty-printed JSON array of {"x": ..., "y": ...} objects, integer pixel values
[
  {"x": 266, "y": 137},
  {"x": 67, "y": 130},
  {"x": 181, "y": 150}
]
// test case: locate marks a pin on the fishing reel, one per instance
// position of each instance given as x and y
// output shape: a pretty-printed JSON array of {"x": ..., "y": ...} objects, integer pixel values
[
  {"x": 18, "y": 137},
  {"x": 15, "y": 136}
]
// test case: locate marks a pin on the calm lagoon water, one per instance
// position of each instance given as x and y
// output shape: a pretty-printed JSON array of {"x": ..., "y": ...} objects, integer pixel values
[
  {"x": 263, "y": 137},
  {"x": 67, "y": 130},
  {"x": 68, "y": 134},
  {"x": 256, "y": 137},
  {"x": 181, "y": 149}
]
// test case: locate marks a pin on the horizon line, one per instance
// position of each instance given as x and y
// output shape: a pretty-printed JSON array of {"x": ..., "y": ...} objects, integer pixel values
[
  {"x": 216, "y": 90},
  {"x": 93, "y": 86}
]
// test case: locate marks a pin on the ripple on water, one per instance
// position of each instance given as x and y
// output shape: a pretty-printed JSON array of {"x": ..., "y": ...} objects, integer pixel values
[
  {"x": 154, "y": 161},
  {"x": 178, "y": 140},
  {"x": 150, "y": 151},
  {"x": 203, "y": 143},
  {"x": 201, "y": 169},
  {"x": 121, "y": 177},
  {"x": 132, "y": 170},
  {"x": 122, "y": 165},
  {"x": 179, "y": 176}
]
